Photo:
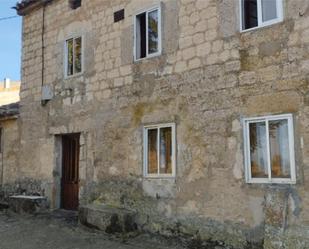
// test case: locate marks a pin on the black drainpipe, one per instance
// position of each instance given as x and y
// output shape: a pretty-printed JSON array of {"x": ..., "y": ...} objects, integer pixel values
[
  {"x": 43, "y": 48},
  {"x": 2, "y": 154},
  {"x": 45, "y": 2}
]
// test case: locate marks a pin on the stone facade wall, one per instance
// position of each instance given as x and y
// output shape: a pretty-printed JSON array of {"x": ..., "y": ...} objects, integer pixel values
[
  {"x": 207, "y": 79},
  {"x": 9, "y": 142},
  {"x": 9, "y": 174}
]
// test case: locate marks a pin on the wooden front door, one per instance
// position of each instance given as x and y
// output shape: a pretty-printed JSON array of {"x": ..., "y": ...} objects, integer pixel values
[{"x": 70, "y": 171}]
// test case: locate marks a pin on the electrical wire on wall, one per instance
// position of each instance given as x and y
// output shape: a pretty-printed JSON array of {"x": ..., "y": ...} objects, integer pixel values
[
  {"x": 43, "y": 43},
  {"x": 43, "y": 102}
]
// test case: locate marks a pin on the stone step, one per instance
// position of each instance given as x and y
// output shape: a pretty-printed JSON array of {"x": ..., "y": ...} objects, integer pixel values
[
  {"x": 107, "y": 218},
  {"x": 27, "y": 204},
  {"x": 4, "y": 205}
]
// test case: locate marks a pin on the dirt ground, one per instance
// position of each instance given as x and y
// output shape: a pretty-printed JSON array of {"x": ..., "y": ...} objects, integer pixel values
[{"x": 59, "y": 230}]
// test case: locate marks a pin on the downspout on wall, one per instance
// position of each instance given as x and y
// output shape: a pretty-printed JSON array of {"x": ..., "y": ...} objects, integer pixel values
[{"x": 43, "y": 102}]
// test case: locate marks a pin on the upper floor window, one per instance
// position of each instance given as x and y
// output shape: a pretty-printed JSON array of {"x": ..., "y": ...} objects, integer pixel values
[
  {"x": 147, "y": 33},
  {"x": 159, "y": 150},
  {"x": 74, "y": 4},
  {"x": 260, "y": 13},
  {"x": 269, "y": 149},
  {"x": 73, "y": 58}
]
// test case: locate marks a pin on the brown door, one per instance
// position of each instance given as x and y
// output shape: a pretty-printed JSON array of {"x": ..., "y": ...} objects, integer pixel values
[{"x": 70, "y": 168}]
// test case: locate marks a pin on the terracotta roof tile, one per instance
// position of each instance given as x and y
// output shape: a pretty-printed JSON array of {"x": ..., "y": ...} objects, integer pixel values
[
  {"x": 23, "y": 6},
  {"x": 9, "y": 110},
  {"x": 25, "y": 3}
]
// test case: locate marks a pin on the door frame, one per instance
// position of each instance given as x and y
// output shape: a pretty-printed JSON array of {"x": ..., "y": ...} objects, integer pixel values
[
  {"x": 56, "y": 198},
  {"x": 75, "y": 136}
]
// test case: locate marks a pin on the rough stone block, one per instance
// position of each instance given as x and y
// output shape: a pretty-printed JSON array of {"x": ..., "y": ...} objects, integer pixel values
[
  {"x": 27, "y": 204},
  {"x": 247, "y": 78},
  {"x": 107, "y": 218}
]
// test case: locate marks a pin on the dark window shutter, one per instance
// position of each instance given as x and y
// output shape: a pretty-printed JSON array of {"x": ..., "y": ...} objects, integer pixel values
[
  {"x": 119, "y": 15},
  {"x": 74, "y": 4}
]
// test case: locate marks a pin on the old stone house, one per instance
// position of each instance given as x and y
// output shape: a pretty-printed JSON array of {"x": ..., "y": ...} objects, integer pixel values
[
  {"x": 192, "y": 113},
  {"x": 9, "y": 132}
]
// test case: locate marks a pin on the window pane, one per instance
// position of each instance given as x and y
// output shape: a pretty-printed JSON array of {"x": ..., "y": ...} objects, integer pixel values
[
  {"x": 269, "y": 10},
  {"x": 140, "y": 36},
  {"x": 250, "y": 15},
  {"x": 258, "y": 150},
  {"x": 70, "y": 57},
  {"x": 75, "y": 3},
  {"x": 78, "y": 55},
  {"x": 166, "y": 150},
  {"x": 153, "y": 32},
  {"x": 279, "y": 149},
  {"x": 152, "y": 152}
]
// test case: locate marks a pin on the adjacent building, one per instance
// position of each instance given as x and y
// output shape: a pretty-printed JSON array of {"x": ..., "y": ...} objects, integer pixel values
[
  {"x": 9, "y": 134},
  {"x": 9, "y": 92},
  {"x": 192, "y": 113}
]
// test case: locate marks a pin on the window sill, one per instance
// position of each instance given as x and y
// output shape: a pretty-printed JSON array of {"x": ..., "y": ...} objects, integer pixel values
[
  {"x": 269, "y": 182},
  {"x": 160, "y": 177},
  {"x": 73, "y": 76},
  {"x": 147, "y": 58},
  {"x": 261, "y": 27}
]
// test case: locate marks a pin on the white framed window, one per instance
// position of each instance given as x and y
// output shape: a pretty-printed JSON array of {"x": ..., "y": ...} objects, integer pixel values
[
  {"x": 73, "y": 56},
  {"x": 160, "y": 151},
  {"x": 147, "y": 33},
  {"x": 269, "y": 149},
  {"x": 259, "y": 13}
]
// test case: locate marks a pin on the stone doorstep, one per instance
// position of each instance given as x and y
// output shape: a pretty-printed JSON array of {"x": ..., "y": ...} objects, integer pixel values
[
  {"x": 27, "y": 204},
  {"x": 108, "y": 219},
  {"x": 28, "y": 197},
  {"x": 4, "y": 205}
]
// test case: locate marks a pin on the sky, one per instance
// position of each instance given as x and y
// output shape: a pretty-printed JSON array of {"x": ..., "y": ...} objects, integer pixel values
[{"x": 10, "y": 41}]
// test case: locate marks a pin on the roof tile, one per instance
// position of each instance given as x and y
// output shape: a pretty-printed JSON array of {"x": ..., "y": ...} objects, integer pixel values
[{"x": 9, "y": 110}]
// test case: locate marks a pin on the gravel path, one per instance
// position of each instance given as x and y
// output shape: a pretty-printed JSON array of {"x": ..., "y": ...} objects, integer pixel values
[{"x": 59, "y": 230}]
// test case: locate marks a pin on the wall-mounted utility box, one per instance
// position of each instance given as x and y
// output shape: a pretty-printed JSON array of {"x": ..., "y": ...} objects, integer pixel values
[
  {"x": 119, "y": 15},
  {"x": 47, "y": 92}
]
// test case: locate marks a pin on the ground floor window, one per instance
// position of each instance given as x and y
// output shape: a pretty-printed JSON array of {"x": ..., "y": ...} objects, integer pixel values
[
  {"x": 260, "y": 13},
  {"x": 269, "y": 149},
  {"x": 159, "y": 150}
]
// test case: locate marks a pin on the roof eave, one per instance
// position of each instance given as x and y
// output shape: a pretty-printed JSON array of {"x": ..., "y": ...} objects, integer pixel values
[
  {"x": 10, "y": 111},
  {"x": 9, "y": 117},
  {"x": 24, "y": 9}
]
